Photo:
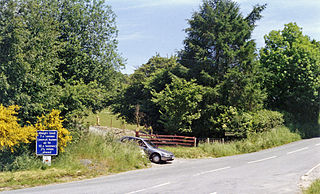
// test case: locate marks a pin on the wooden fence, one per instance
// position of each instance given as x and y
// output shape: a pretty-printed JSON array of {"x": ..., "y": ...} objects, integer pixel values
[{"x": 169, "y": 140}]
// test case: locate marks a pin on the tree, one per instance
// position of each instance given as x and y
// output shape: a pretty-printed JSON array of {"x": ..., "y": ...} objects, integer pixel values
[
  {"x": 218, "y": 39},
  {"x": 52, "y": 51},
  {"x": 292, "y": 61},
  {"x": 179, "y": 105},
  {"x": 152, "y": 76},
  {"x": 28, "y": 54},
  {"x": 220, "y": 55},
  {"x": 87, "y": 31}
]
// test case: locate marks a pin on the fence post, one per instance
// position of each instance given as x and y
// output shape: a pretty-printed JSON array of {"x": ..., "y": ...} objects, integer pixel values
[
  {"x": 208, "y": 140},
  {"x": 137, "y": 133},
  {"x": 195, "y": 142},
  {"x": 98, "y": 120}
]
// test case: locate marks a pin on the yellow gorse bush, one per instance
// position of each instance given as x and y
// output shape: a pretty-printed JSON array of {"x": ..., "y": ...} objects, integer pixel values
[
  {"x": 11, "y": 133},
  {"x": 53, "y": 121}
]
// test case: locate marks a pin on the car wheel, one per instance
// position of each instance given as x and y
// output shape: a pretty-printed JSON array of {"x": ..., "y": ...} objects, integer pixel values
[{"x": 156, "y": 158}]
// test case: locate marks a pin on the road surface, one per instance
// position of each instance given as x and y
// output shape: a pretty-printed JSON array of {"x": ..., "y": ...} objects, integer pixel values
[{"x": 276, "y": 170}]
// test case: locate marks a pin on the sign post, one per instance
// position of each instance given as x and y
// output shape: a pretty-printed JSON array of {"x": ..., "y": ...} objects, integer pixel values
[{"x": 47, "y": 145}]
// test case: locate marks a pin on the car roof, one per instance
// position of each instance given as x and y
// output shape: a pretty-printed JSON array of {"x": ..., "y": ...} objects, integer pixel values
[{"x": 131, "y": 137}]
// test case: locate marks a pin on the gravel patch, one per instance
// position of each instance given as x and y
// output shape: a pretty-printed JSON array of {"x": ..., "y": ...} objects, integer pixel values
[{"x": 307, "y": 179}]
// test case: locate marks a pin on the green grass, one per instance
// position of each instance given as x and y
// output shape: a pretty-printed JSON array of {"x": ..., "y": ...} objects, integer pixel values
[
  {"x": 108, "y": 119},
  {"x": 105, "y": 155},
  {"x": 253, "y": 143},
  {"x": 314, "y": 188}
]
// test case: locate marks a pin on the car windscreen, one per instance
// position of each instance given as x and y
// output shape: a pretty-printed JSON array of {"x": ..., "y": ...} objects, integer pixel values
[{"x": 150, "y": 143}]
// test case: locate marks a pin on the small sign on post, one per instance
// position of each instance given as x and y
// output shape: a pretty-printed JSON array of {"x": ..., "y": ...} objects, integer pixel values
[{"x": 47, "y": 145}]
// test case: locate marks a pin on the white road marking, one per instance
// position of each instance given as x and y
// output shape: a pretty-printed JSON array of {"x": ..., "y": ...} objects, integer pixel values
[
  {"x": 298, "y": 150},
  {"x": 262, "y": 159},
  {"x": 312, "y": 169},
  {"x": 214, "y": 193},
  {"x": 209, "y": 171},
  {"x": 318, "y": 144},
  {"x": 161, "y": 185},
  {"x": 153, "y": 187},
  {"x": 137, "y": 191}
]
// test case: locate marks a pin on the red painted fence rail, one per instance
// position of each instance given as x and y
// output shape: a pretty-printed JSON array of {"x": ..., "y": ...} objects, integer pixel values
[{"x": 169, "y": 140}]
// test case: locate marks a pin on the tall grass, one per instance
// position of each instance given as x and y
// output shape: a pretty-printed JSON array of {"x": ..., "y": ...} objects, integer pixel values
[
  {"x": 107, "y": 118},
  {"x": 255, "y": 142},
  {"x": 314, "y": 188},
  {"x": 104, "y": 154},
  {"x": 90, "y": 156}
]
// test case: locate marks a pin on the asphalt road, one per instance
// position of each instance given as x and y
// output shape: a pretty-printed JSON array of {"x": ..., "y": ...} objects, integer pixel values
[{"x": 276, "y": 170}]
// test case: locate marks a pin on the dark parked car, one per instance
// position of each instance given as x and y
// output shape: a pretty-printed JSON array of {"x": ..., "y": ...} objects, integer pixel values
[{"x": 155, "y": 154}]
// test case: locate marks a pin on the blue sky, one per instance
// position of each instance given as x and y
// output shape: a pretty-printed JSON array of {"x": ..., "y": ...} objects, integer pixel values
[{"x": 148, "y": 27}]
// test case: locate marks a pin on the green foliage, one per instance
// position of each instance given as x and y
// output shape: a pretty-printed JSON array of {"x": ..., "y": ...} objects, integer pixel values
[
  {"x": 244, "y": 124},
  {"x": 107, "y": 154},
  {"x": 87, "y": 31},
  {"x": 220, "y": 55},
  {"x": 21, "y": 159},
  {"x": 292, "y": 62},
  {"x": 48, "y": 60},
  {"x": 152, "y": 76},
  {"x": 187, "y": 152},
  {"x": 314, "y": 188},
  {"x": 218, "y": 39},
  {"x": 103, "y": 155},
  {"x": 255, "y": 142},
  {"x": 108, "y": 119},
  {"x": 179, "y": 105}
]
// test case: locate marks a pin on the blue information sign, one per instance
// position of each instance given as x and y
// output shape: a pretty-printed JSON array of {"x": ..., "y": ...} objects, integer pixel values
[{"x": 47, "y": 143}]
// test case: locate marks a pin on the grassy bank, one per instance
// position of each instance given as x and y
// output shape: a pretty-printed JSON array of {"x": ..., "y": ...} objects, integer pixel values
[
  {"x": 89, "y": 157},
  {"x": 108, "y": 119},
  {"x": 93, "y": 155},
  {"x": 253, "y": 143},
  {"x": 314, "y": 188}
]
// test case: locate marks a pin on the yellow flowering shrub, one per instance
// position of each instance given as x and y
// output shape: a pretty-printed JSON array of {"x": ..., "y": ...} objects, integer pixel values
[
  {"x": 53, "y": 121},
  {"x": 11, "y": 133}
]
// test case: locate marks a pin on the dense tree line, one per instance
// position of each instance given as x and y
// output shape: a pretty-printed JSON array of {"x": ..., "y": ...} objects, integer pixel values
[
  {"x": 218, "y": 83},
  {"x": 61, "y": 54},
  {"x": 57, "y": 54}
]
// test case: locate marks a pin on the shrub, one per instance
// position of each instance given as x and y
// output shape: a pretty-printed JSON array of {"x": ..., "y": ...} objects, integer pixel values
[
  {"x": 11, "y": 133},
  {"x": 265, "y": 120},
  {"x": 53, "y": 121},
  {"x": 242, "y": 124}
]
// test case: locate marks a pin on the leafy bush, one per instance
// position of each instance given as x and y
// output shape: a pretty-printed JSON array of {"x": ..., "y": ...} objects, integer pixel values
[
  {"x": 23, "y": 158},
  {"x": 179, "y": 104},
  {"x": 243, "y": 124},
  {"x": 53, "y": 121},
  {"x": 265, "y": 120},
  {"x": 11, "y": 133}
]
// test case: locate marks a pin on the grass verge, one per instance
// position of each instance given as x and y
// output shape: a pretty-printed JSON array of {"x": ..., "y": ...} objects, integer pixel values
[
  {"x": 314, "y": 188},
  {"x": 91, "y": 156},
  {"x": 108, "y": 119},
  {"x": 255, "y": 142}
]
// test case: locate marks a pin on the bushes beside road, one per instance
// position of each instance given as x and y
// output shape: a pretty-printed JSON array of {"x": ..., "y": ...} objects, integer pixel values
[{"x": 254, "y": 142}]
